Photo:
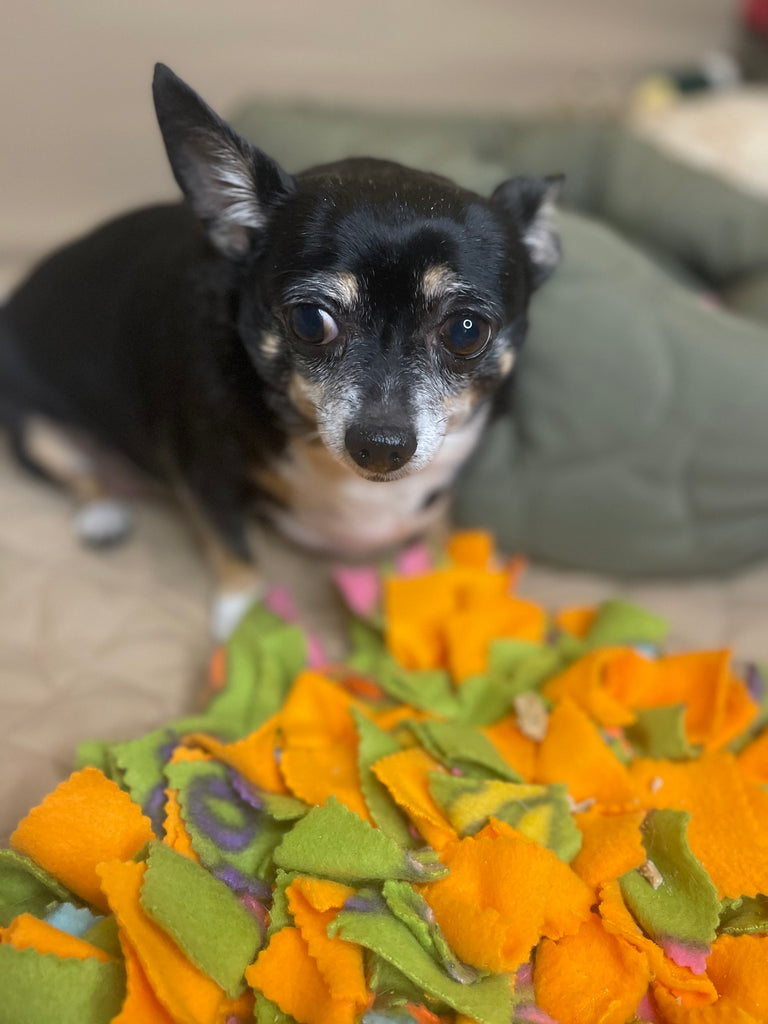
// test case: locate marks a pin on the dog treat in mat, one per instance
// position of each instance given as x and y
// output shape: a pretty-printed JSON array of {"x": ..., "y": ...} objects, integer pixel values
[{"x": 487, "y": 815}]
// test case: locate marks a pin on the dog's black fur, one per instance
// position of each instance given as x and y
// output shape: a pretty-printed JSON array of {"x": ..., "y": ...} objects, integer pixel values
[{"x": 362, "y": 308}]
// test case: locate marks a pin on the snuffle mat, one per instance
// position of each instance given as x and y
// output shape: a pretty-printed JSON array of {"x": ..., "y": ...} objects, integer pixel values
[{"x": 486, "y": 814}]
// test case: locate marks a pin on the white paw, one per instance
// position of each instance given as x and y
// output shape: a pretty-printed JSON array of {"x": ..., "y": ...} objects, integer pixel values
[
  {"x": 102, "y": 522},
  {"x": 228, "y": 608}
]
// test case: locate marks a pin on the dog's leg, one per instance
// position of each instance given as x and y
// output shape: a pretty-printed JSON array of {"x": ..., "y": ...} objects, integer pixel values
[
  {"x": 239, "y": 585},
  {"x": 101, "y": 519}
]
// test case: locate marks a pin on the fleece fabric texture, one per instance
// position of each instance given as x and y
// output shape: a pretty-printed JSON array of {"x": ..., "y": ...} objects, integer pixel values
[
  {"x": 636, "y": 439},
  {"x": 550, "y": 869}
]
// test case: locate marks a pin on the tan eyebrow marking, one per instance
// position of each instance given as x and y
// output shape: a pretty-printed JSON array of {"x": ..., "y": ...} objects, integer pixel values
[
  {"x": 439, "y": 281},
  {"x": 348, "y": 288},
  {"x": 343, "y": 287}
]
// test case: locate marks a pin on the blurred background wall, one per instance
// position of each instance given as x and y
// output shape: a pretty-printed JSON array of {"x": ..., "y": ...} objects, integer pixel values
[{"x": 78, "y": 139}]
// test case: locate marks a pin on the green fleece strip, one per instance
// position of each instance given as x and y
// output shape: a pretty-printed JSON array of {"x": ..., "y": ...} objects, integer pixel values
[
  {"x": 202, "y": 915},
  {"x": 684, "y": 907}
]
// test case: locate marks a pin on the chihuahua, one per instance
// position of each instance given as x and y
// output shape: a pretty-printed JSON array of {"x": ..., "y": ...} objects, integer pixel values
[{"x": 322, "y": 350}]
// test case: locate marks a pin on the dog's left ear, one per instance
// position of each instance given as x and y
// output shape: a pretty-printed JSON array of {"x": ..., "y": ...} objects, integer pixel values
[
  {"x": 231, "y": 186},
  {"x": 531, "y": 201}
]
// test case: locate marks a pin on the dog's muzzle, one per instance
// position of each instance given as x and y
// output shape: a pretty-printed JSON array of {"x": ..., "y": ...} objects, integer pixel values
[{"x": 380, "y": 450}]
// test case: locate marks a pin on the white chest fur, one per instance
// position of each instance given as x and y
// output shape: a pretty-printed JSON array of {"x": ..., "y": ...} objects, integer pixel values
[{"x": 333, "y": 509}]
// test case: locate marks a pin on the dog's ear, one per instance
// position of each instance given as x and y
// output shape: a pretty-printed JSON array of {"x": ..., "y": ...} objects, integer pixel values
[
  {"x": 231, "y": 186},
  {"x": 531, "y": 201}
]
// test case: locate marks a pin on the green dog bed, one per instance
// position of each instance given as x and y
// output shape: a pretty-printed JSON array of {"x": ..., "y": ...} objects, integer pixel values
[{"x": 638, "y": 440}]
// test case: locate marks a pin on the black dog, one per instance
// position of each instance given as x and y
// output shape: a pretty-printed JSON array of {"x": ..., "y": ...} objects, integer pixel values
[{"x": 322, "y": 349}]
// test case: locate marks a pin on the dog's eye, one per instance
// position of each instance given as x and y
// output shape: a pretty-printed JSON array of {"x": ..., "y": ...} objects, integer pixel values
[
  {"x": 465, "y": 334},
  {"x": 313, "y": 324}
]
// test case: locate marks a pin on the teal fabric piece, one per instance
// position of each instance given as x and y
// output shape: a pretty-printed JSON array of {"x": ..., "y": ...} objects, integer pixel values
[
  {"x": 71, "y": 919},
  {"x": 636, "y": 440},
  {"x": 685, "y": 907},
  {"x": 42, "y": 989},
  {"x": 488, "y": 1001},
  {"x": 334, "y": 842},
  {"x": 26, "y": 888},
  {"x": 202, "y": 915}
]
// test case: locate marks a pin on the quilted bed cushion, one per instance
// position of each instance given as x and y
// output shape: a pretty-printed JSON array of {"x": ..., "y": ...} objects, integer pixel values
[
  {"x": 639, "y": 440},
  {"x": 637, "y": 443}
]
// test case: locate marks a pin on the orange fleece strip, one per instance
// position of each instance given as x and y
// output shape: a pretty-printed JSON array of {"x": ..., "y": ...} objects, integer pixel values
[
  {"x": 722, "y": 805},
  {"x": 468, "y": 632},
  {"x": 289, "y": 975},
  {"x": 339, "y": 962},
  {"x": 590, "y": 976},
  {"x": 576, "y": 621},
  {"x": 736, "y": 966},
  {"x": 141, "y": 1005},
  {"x": 84, "y": 821},
  {"x": 186, "y": 993},
  {"x": 472, "y": 549},
  {"x": 28, "y": 932},
  {"x": 502, "y": 894},
  {"x": 406, "y": 776},
  {"x": 586, "y": 682},
  {"x": 691, "y": 989},
  {"x": 317, "y": 773},
  {"x": 611, "y": 845},
  {"x": 518, "y": 750},
  {"x": 254, "y": 756},
  {"x": 574, "y": 752}
]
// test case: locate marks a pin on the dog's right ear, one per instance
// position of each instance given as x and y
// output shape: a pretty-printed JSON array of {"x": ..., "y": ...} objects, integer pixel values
[
  {"x": 531, "y": 201},
  {"x": 231, "y": 186}
]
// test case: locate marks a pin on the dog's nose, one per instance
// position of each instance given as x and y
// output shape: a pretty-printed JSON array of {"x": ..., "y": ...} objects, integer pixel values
[{"x": 380, "y": 449}]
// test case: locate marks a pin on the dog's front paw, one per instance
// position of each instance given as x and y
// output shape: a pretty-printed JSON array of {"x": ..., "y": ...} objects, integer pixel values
[
  {"x": 103, "y": 522},
  {"x": 229, "y": 607}
]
